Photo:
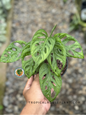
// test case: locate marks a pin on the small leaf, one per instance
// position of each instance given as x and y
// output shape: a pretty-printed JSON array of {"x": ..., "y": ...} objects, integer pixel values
[
  {"x": 41, "y": 46},
  {"x": 71, "y": 47},
  {"x": 49, "y": 81},
  {"x": 58, "y": 54},
  {"x": 12, "y": 52},
  {"x": 29, "y": 65}
]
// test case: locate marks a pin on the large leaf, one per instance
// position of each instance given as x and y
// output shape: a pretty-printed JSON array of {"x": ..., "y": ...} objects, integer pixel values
[
  {"x": 50, "y": 81},
  {"x": 29, "y": 65},
  {"x": 71, "y": 47},
  {"x": 13, "y": 53},
  {"x": 41, "y": 46},
  {"x": 58, "y": 53}
]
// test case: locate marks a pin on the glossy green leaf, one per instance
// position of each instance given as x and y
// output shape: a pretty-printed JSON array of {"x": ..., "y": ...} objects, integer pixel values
[
  {"x": 71, "y": 47},
  {"x": 48, "y": 82},
  {"x": 58, "y": 53},
  {"x": 41, "y": 46},
  {"x": 28, "y": 65},
  {"x": 13, "y": 53}
]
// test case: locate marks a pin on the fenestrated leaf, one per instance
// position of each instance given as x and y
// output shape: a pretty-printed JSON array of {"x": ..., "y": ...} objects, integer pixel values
[
  {"x": 41, "y": 46},
  {"x": 49, "y": 81},
  {"x": 12, "y": 52},
  {"x": 29, "y": 65},
  {"x": 58, "y": 53},
  {"x": 71, "y": 47}
]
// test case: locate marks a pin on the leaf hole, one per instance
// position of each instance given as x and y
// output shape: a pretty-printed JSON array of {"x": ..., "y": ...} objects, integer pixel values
[
  {"x": 53, "y": 83},
  {"x": 49, "y": 41},
  {"x": 63, "y": 38},
  {"x": 45, "y": 50},
  {"x": 41, "y": 42},
  {"x": 43, "y": 33},
  {"x": 23, "y": 44},
  {"x": 14, "y": 49},
  {"x": 46, "y": 88},
  {"x": 78, "y": 50},
  {"x": 52, "y": 93},
  {"x": 5, "y": 55},
  {"x": 36, "y": 44},
  {"x": 70, "y": 42},
  {"x": 37, "y": 53},
  {"x": 46, "y": 61},
  {"x": 9, "y": 52},
  {"x": 51, "y": 59},
  {"x": 27, "y": 57},
  {"x": 48, "y": 95},
  {"x": 71, "y": 52},
  {"x": 53, "y": 77},
  {"x": 59, "y": 64},
  {"x": 51, "y": 70},
  {"x": 18, "y": 45},
  {"x": 43, "y": 77},
  {"x": 19, "y": 54},
  {"x": 60, "y": 52}
]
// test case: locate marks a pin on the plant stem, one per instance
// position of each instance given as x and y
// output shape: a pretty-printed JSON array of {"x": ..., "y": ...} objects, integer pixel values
[{"x": 53, "y": 30}]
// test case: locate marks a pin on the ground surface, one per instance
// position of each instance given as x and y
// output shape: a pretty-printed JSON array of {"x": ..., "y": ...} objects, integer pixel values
[{"x": 29, "y": 16}]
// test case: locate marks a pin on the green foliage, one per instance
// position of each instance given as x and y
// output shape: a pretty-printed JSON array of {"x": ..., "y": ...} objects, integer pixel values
[
  {"x": 41, "y": 55},
  {"x": 74, "y": 24},
  {"x": 1, "y": 107},
  {"x": 72, "y": 47},
  {"x": 48, "y": 81},
  {"x": 41, "y": 46},
  {"x": 5, "y": 5},
  {"x": 64, "y": 1},
  {"x": 12, "y": 52}
]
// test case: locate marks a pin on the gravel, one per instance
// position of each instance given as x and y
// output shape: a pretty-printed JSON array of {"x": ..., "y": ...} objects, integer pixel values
[{"x": 28, "y": 17}]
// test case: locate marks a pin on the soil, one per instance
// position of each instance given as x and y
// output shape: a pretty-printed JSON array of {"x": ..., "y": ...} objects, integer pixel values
[{"x": 60, "y": 65}]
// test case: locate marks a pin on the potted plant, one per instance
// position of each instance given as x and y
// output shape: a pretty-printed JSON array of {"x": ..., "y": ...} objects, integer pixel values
[{"x": 48, "y": 57}]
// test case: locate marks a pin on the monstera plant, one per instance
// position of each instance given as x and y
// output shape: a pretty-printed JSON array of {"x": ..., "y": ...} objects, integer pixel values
[
  {"x": 5, "y": 5},
  {"x": 47, "y": 57}
]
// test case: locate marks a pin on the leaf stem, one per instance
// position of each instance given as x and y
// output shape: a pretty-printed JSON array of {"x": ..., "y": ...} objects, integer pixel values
[{"x": 53, "y": 30}]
